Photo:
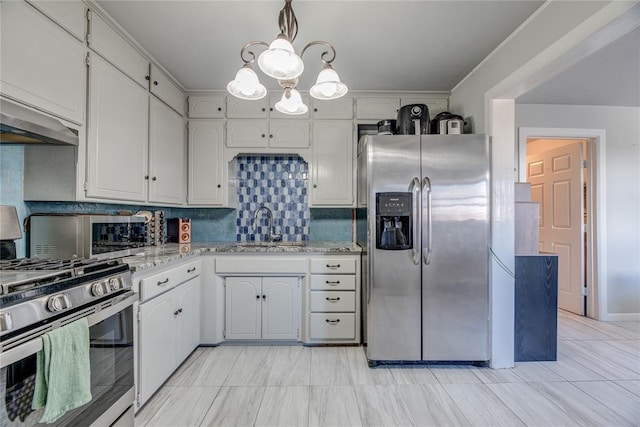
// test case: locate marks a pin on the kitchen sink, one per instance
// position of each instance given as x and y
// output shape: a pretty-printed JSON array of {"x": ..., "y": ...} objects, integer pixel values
[{"x": 270, "y": 244}]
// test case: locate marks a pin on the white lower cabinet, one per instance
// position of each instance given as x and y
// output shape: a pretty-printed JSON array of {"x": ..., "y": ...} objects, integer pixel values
[
  {"x": 334, "y": 299},
  {"x": 262, "y": 308},
  {"x": 168, "y": 324}
]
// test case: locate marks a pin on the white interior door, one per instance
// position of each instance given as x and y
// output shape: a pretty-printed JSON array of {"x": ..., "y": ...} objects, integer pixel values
[{"x": 556, "y": 183}]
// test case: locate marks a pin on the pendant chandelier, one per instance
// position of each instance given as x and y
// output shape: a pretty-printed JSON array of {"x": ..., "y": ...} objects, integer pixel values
[{"x": 281, "y": 62}]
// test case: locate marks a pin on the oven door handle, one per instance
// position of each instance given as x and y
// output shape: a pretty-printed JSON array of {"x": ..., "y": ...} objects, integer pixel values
[{"x": 35, "y": 345}]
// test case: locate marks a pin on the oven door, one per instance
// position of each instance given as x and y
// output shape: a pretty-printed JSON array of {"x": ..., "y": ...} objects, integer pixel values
[{"x": 112, "y": 378}]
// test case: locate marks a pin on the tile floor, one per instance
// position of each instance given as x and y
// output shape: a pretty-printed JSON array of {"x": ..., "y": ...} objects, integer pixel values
[{"x": 596, "y": 382}]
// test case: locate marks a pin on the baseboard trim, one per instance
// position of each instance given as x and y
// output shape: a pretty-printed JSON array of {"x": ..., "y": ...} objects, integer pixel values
[{"x": 621, "y": 317}]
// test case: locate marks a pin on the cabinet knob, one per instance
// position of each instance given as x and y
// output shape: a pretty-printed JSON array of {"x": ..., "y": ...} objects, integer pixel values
[
  {"x": 219, "y": 185},
  {"x": 264, "y": 297},
  {"x": 219, "y": 108},
  {"x": 155, "y": 83},
  {"x": 270, "y": 136},
  {"x": 153, "y": 179},
  {"x": 257, "y": 296},
  {"x": 263, "y": 135},
  {"x": 270, "y": 108},
  {"x": 315, "y": 110},
  {"x": 146, "y": 77},
  {"x": 315, "y": 185},
  {"x": 146, "y": 177},
  {"x": 264, "y": 109}
]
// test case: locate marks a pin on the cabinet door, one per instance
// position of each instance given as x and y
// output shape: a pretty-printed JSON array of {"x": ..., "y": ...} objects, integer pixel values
[
  {"x": 68, "y": 14},
  {"x": 206, "y": 107},
  {"x": 377, "y": 108},
  {"x": 280, "y": 308},
  {"x": 162, "y": 87},
  {"x": 288, "y": 134},
  {"x": 157, "y": 343},
  {"x": 188, "y": 327},
  {"x": 206, "y": 173},
  {"x": 243, "y": 302},
  {"x": 242, "y": 109},
  {"x": 41, "y": 64},
  {"x": 247, "y": 133},
  {"x": 167, "y": 155},
  {"x": 333, "y": 167},
  {"x": 118, "y": 51},
  {"x": 341, "y": 108},
  {"x": 117, "y": 135}
]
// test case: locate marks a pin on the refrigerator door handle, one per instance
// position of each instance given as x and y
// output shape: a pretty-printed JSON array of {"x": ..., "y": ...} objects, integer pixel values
[
  {"x": 414, "y": 188},
  {"x": 427, "y": 251}
]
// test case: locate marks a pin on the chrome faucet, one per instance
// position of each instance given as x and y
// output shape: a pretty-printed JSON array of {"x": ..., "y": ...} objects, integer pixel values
[{"x": 272, "y": 236}]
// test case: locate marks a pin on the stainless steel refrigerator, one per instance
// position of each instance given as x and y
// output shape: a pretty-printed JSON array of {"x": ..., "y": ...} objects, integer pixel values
[{"x": 423, "y": 220}]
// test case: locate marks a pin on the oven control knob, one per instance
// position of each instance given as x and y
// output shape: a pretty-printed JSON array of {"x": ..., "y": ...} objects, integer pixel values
[
  {"x": 58, "y": 303},
  {"x": 97, "y": 289},
  {"x": 115, "y": 283}
]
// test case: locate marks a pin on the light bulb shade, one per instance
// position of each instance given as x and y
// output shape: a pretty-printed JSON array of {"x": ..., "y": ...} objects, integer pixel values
[
  {"x": 280, "y": 60},
  {"x": 328, "y": 85},
  {"x": 246, "y": 85},
  {"x": 291, "y": 104}
]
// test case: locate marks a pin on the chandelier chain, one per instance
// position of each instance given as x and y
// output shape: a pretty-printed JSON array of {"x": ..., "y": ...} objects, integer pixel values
[{"x": 288, "y": 22}]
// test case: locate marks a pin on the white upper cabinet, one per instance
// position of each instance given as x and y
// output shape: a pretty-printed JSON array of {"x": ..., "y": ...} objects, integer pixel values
[
  {"x": 332, "y": 168},
  {"x": 117, "y": 135},
  {"x": 378, "y": 108},
  {"x": 341, "y": 108},
  {"x": 206, "y": 172},
  {"x": 248, "y": 133},
  {"x": 68, "y": 14},
  {"x": 41, "y": 64},
  {"x": 106, "y": 41},
  {"x": 288, "y": 134},
  {"x": 167, "y": 91},
  {"x": 206, "y": 107},
  {"x": 242, "y": 109},
  {"x": 167, "y": 155}
]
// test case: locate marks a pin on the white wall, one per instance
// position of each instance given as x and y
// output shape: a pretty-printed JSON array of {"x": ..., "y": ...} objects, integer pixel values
[
  {"x": 555, "y": 37},
  {"x": 622, "y": 129}
]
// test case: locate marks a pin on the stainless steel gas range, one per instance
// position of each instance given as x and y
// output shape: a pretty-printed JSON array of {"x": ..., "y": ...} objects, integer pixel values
[{"x": 40, "y": 295}]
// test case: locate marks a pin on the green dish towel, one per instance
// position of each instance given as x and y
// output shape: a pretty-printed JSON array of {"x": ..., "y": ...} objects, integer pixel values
[{"x": 63, "y": 371}]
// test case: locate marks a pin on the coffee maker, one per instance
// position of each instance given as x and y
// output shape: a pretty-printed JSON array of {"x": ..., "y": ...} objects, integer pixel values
[
  {"x": 413, "y": 119},
  {"x": 394, "y": 222}
]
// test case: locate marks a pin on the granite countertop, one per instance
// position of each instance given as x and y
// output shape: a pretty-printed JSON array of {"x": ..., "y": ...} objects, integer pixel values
[{"x": 155, "y": 256}]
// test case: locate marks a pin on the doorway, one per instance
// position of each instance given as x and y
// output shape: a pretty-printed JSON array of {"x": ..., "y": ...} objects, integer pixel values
[{"x": 562, "y": 173}]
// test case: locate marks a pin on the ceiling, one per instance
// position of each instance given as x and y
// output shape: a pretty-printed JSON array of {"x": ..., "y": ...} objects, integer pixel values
[{"x": 388, "y": 45}]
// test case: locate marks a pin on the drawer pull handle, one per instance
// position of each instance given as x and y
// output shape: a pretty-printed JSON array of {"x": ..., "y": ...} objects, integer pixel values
[
  {"x": 333, "y": 265},
  {"x": 160, "y": 283},
  {"x": 337, "y": 282},
  {"x": 191, "y": 270},
  {"x": 333, "y": 299},
  {"x": 332, "y": 322}
]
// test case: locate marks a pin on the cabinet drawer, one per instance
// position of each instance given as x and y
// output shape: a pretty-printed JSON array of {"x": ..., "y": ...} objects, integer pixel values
[
  {"x": 333, "y": 265},
  {"x": 333, "y": 282},
  {"x": 333, "y": 326},
  {"x": 163, "y": 281},
  {"x": 156, "y": 284},
  {"x": 333, "y": 301}
]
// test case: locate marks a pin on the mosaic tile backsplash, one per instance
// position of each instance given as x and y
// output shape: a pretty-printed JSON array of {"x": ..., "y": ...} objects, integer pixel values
[{"x": 278, "y": 183}]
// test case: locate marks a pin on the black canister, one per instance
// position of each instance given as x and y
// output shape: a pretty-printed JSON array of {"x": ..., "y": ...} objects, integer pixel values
[
  {"x": 386, "y": 127},
  {"x": 413, "y": 119}
]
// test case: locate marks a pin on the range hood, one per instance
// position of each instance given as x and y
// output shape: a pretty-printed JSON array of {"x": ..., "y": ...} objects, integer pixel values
[{"x": 20, "y": 125}]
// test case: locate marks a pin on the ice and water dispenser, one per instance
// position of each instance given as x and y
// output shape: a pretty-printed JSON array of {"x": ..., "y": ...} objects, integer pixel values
[{"x": 394, "y": 222}]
